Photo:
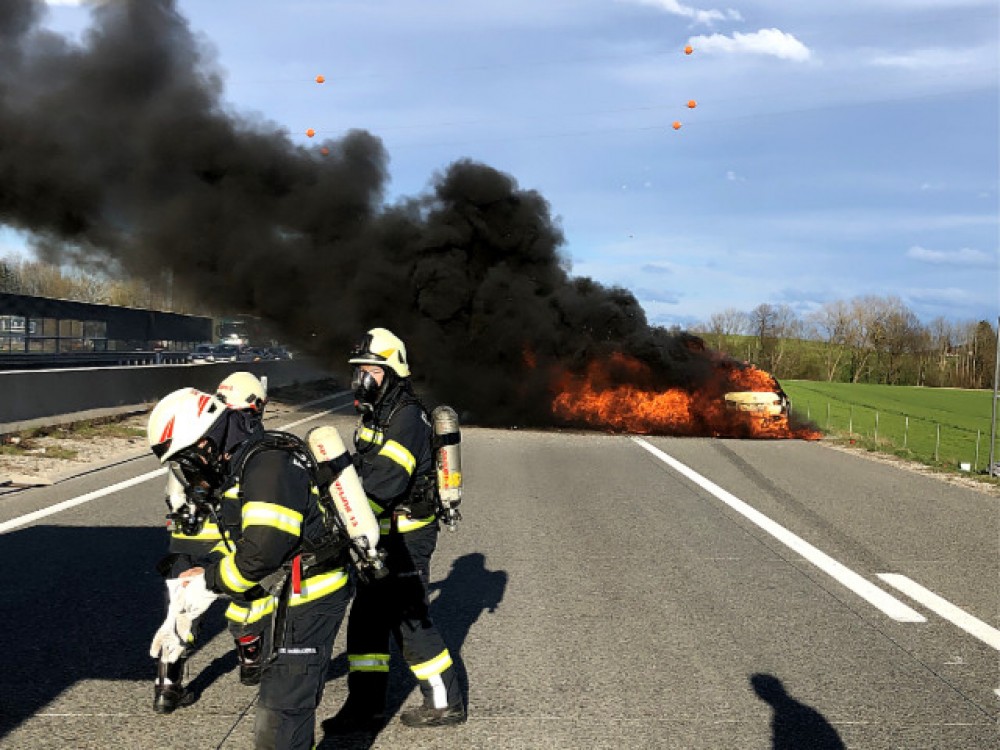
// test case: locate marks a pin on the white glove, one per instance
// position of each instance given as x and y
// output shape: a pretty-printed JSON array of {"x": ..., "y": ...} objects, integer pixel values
[
  {"x": 176, "y": 497},
  {"x": 194, "y": 599},
  {"x": 168, "y": 645}
]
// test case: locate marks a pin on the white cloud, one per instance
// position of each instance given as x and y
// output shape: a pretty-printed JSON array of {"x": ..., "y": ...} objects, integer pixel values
[
  {"x": 707, "y": 17},
  {"x": 948, "y": 296},
  {"x": 663, "y": 296},
  {"x": 65, "y": 2},
  {"x": 967, "y": 256},
  {"x": 772, "y": 42},
  {"x": 733, "y": 177},
  {"x": 935, "y": 59}
]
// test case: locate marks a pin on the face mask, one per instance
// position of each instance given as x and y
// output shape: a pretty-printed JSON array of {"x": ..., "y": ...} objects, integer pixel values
[{"x": 366, "y": 390}]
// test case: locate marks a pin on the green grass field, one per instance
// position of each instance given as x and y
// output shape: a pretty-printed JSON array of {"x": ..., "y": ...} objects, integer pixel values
[{"x": 937, "y": 426}]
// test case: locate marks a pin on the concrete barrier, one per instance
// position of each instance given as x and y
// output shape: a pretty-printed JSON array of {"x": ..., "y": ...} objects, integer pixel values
[{"x": 32, "y": 398}]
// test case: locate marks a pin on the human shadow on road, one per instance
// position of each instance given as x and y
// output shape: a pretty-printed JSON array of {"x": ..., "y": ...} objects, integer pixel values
[
  {"x": 469, "y": 590},
  {"x": 795, "y": 725},
  {"x": 80, "y": 603}
]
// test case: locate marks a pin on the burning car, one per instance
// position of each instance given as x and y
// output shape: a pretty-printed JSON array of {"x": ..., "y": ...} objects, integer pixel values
[{"x": 761, "y": 403}]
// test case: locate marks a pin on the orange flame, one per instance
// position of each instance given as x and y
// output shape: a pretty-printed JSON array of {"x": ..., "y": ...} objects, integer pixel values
[{"x": 595, "y": 399}]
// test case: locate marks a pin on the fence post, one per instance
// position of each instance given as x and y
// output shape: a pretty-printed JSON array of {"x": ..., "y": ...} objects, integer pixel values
[
  {"x": 808, "y": 414},
  {"x": 850, "y": 422},
  {"x": 906, "y": 431},
  {"x": 937, "y": 444},
  {"x": 975, "y": 466},
  {"x": 827, "y": 416},
  {"x": 876, "y": 427}
]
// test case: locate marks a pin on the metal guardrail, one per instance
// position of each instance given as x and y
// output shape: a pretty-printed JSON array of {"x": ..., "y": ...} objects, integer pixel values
[
  {"x": 90, "y": 359},
  {"x": 35, "y": 397}
]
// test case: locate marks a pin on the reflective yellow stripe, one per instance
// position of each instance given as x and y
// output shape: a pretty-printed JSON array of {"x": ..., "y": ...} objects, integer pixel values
[
  {"x": 315, "y": 587},
  {"x": 376, "y": 508},
  {"x": 404, "y": 524},
  {"x": 220, "y": 548},
  {"x": 275, "y": 516},
  {"x": 232, "y": 577},
  {"x": 368, "y": 662},
  {"x": 209, "y": 533},
  {"x": 258, "y": 609},
  {"x": 399, "y": 454},
  {"x": 369, "y": 435},
  {"x": 435, "y": 666}
]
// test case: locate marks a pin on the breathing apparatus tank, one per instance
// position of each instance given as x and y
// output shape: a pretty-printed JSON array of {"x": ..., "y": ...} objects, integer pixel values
[
  {"x": 448, "y": 459},
  {"x": 348, "y": 497}
]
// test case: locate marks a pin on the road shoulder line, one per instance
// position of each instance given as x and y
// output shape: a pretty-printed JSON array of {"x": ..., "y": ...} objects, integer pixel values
[{"x": 868, "y": 591}]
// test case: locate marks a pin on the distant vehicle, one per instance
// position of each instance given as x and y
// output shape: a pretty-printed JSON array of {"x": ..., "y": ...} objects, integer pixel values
[
  {"x": 765, "y": 404},
  {"x": 252, "y": 354},
  {"x": 278, "y": 352},
  {"x": 226, "y": 353},
  {"x": 202, "y": 353}
]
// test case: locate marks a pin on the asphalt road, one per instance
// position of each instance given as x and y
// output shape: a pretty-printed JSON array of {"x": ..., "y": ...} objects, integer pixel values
[{"x": 596, "y": 594}]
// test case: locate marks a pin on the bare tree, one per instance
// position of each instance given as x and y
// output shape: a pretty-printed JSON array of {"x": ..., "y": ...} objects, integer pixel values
[
  {"x": 722, "y": 325},
  {"x": 833, "y": 323}
]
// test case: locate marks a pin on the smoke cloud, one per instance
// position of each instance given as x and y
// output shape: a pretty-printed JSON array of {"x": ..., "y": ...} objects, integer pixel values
[{"x": 119, "y": 153}]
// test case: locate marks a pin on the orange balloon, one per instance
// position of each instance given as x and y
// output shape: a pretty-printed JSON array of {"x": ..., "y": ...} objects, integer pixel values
[
  {"x": 692, "y": 104},
  {"x": 688, "y": 50},
  {"x": 324, "y": 150},
  {"x": 320, "y": 79},
  {"x": 310, "y": 132},
  {"x": 677, "y": 125}
]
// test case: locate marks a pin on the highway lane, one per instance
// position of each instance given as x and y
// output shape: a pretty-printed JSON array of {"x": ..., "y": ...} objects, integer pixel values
[{"x": 595, "y": 596}]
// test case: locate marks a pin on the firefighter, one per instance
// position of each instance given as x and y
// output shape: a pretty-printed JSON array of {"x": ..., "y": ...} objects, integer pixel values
[
  {"x": 394, "y": 459},
  {"x": 196, "y": 536},
  {"x": 280, "y": 517}
]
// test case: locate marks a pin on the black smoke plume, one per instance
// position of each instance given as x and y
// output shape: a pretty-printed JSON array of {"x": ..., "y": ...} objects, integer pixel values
[{"x": 118, "y": 153}]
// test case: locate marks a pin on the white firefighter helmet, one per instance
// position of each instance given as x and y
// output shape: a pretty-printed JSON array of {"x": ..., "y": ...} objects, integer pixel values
[
  {"x": 242, "y": 390},
  {"x": 180, "y": 420},
  {"x": 383, "y": 348}
]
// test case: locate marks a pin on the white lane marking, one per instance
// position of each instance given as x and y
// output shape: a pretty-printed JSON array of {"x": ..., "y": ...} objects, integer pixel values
[
  {"x": 971, "y": 625},
  {"x": 73, "y": 502},
  {"x": 875, "y": 596}
]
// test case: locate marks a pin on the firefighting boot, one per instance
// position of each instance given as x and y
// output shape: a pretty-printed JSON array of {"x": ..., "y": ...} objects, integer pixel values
[
  {"x": 250, "y": 652},
  {"x": 168, "y": 692},
  {"x": 364, "y": 709},
  {"x": 428, "y": 716},
  {"x": 356, "y": 715}
]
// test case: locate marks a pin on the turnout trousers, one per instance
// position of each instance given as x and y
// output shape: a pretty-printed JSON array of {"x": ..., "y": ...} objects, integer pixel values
[
  {"x": 291, "y": 686},
  {"x": 397, "y": 606}
]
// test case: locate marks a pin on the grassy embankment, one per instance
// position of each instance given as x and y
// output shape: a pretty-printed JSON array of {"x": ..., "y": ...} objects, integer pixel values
[{"x": 937, "y": 426}]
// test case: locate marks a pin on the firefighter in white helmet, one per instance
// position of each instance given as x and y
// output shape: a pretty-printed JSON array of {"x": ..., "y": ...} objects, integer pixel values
[
  {"x": 204, "y": 523},
  {"x": 280, "y": 515},
  {"x": 395, "y": 461}
]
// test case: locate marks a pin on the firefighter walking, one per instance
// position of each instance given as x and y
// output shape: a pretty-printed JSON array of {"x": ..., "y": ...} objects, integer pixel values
[{"x": 395, "y": 461}]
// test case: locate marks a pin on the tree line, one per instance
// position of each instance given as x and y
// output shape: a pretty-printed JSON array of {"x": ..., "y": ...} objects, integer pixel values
[
  {"x": 41, "y": 279},
  {"x": 868, "y": 339}
]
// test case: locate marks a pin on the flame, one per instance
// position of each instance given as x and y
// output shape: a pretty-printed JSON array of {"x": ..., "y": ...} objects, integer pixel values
[{"x": 617, "y": 394}]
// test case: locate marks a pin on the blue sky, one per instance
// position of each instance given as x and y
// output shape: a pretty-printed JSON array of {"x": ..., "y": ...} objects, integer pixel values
[{"x": 838, "y": 148}]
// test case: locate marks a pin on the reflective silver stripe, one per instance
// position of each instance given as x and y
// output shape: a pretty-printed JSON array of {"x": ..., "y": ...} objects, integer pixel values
[
  {"x": 404, "y": 524},
  {"x": 232, "y": 577},
  {"x": 369, "y": 435},
  {"x": 316, "y": 587},
  {"x": 209, "y": 532},
  {"x": 399, "y": 454},
  {"x": 368, "y": 662},
  {"x": 437, "y": 665},
  {"x": 275, "y": 516},
  {"x": 258, "y": 609}
]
